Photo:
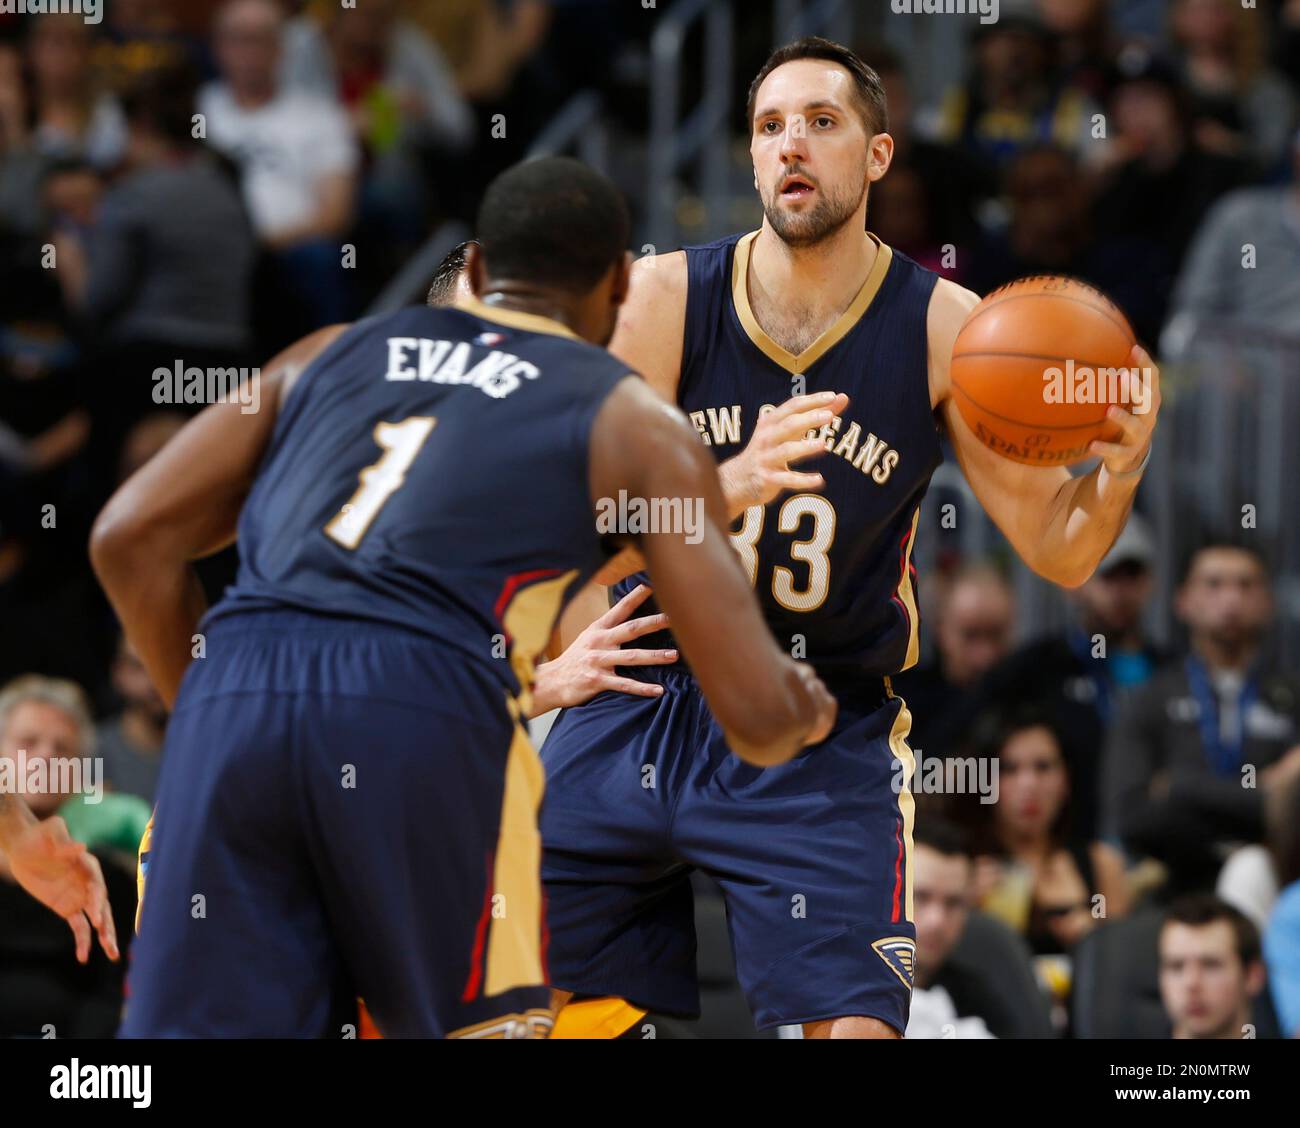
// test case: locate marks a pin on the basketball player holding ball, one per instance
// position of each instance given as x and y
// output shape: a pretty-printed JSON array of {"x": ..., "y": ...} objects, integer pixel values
[{"x": 810, "y": 337}]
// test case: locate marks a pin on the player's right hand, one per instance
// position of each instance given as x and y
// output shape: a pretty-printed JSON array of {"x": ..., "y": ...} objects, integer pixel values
[
  {"x": 66, "y": 878},
  {"x": 827, "y": 706},
  {"x": 762, "y": 470},
  {"x": 589, "y": 665}
]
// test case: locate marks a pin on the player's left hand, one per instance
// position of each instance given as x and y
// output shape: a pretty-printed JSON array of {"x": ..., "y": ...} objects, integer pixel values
[
  {"x": 1138, "y": 426},
  {"x": 589, "y": 665},
  {"x": 66, "y": 878}
]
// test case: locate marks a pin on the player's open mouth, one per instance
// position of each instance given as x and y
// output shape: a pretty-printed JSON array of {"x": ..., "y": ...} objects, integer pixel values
[{"x": 796, "y": 188}]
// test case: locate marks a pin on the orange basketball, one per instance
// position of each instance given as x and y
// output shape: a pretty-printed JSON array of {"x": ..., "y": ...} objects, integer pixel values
[{"x": 1037, "y": 364}]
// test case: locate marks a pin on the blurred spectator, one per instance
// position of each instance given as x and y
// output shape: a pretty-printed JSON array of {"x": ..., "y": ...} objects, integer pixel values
[
  {"x": 1287, "y": 50},
  {"x": 1156, "y": 181},
  {"x": 485, "y": 41},
  {"x": 164, "y": 273},
  {"x": 1217, "y": 292},
  {"x": 385, "y": 70},
  {"x": 941, "y": 905},
  {"x": 139, "y": 36},
  {"x": 131, "y": 742},
  {"x": 1051, "y": 231},
  {"x": 41, "y": 984},
  {"x": 1085, "y": 43},
  {"x": 975, "y": 623},
  {"x": 405, "y": 108},
  {"x": 1210, "y": 969},
  {"x": 1015, "y": 97},
  {"x": 1241, "y": 107},
  {"x": 1253, "y": 876},
  {"x": 296, "y": 153},
  {"x": 72, "y": 117},
  {"x": 1282, "y": 933},
  {"x": 933, "y": 192},
  {"x": 1034, "y": 869},
  {"x": 1183, "y": 755}
]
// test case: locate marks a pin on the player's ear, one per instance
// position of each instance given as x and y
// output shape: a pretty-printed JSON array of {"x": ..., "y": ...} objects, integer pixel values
[
  {"x": 879, "y": 156},
  {"x": 474, "y": 268},
  {"x": 622, "y": 280}
]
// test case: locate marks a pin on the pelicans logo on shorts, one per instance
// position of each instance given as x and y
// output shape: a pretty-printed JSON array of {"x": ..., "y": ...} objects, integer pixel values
[{"x": 899, "y": 953}]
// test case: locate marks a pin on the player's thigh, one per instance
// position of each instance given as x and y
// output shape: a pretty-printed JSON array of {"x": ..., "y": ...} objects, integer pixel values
[
  {"x": 814, "y": 860},
  {"x": 424, "y": 829},
  {"x": 233, "y": 935}
]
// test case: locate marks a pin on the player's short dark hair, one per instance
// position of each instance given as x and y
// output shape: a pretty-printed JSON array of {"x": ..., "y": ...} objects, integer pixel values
[
  {"x": 442, "y": 290},
  {"x": 1225, "y": 540},
  {"x": 870, "y": 93},
  {"x": 941, "y": 836},
  {"x": 553, "y": 222},
  {"x": 1201, "y": 909},
  {"x": 163, "y": 101}
]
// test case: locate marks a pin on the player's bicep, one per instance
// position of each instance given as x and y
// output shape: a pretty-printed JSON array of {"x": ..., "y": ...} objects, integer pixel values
[{"x": 1020, "y": 499}]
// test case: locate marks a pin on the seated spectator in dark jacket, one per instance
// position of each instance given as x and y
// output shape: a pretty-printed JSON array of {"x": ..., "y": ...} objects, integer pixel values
[
  {"x": 45, "y": 739},
  {"x": 1194, "y": 751},
  {"x": 1210, "y": 969},
  {"x": 1034, "y": 869},
  {"x": 974, "y": 626}
]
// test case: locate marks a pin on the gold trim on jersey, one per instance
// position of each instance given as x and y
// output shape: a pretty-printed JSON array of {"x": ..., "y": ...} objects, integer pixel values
[
  {"x": 828, "y": 340},
  {"x": 596, "y": 1018},
  {"x": 528, "y": 1024},
  {"x": 515, "y": 319},
  {"x": 898, "y": 745},
  {"x": 908, "y": 596}
]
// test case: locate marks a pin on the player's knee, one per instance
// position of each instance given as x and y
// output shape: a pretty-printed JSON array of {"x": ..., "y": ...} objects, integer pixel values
[{"x": 851, "y": 1026}]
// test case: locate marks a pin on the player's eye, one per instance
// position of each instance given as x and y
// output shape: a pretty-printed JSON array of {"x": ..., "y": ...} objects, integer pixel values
[
  {"x": 769, "y": 126},
  {"x": 824, "y": 122}
]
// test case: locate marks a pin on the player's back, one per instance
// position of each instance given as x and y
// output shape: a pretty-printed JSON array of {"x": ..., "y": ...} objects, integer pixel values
[{"x": 429, "y": 471}]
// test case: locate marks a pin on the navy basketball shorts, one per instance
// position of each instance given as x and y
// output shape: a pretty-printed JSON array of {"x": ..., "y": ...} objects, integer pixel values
[
  {"x": 813, "y": 857},
  {"x": 344, "y": 811}
]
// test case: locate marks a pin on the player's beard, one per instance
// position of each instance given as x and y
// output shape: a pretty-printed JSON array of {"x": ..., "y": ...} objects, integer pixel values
[{"x": 825, "y": 219}]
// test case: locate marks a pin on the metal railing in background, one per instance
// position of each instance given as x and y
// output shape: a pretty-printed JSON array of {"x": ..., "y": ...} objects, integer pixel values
[
  {"x": 793, "y": 19},
  {"x": 411, "y": 283},
  {"x": 703, "y": 136},
  {"x": 579, "y": 129}
]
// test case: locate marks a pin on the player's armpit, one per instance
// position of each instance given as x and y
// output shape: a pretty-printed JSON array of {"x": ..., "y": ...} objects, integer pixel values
[
  {"x": 651, "y": 326},
  {"x": 184, "y": 504},
  {"x": 768, "y": 705}
]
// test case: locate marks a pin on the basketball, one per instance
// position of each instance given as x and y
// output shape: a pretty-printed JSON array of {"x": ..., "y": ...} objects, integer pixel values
[{"x": 1036, "y": 366}]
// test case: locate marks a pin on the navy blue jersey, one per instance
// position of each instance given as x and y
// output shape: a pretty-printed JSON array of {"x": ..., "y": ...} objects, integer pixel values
[
  {"x": 832, "y": 569},
  {"x": 430, "y": 470}
]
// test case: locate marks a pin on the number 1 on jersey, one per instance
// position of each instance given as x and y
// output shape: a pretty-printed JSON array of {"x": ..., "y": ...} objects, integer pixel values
[{"x": 401, "y": 442}]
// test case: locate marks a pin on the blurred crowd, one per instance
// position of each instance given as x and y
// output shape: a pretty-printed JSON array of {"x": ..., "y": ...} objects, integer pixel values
[{"x": 203, "y": 183}]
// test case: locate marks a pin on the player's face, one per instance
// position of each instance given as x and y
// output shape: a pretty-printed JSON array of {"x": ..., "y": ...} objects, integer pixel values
[
  {"x": 1202, "y": 982},
  {"x": 1226, "y": 597},
  {"x": 811, "y": 151},
  {"x": 1033, "y": 783},
  {"x": 939, "y": 907},
  {"x": 44, "y": 732}
]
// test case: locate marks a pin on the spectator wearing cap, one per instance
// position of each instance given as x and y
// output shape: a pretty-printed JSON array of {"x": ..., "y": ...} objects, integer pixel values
[
  {"x": 1194, "y": 751},
  {"x": 1210, "y": 969},
  {"x": 1216, "y": 296}
]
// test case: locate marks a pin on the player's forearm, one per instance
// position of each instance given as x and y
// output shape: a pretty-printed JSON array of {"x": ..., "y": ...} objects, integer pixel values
[{"x": 1083, "y": 521}]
